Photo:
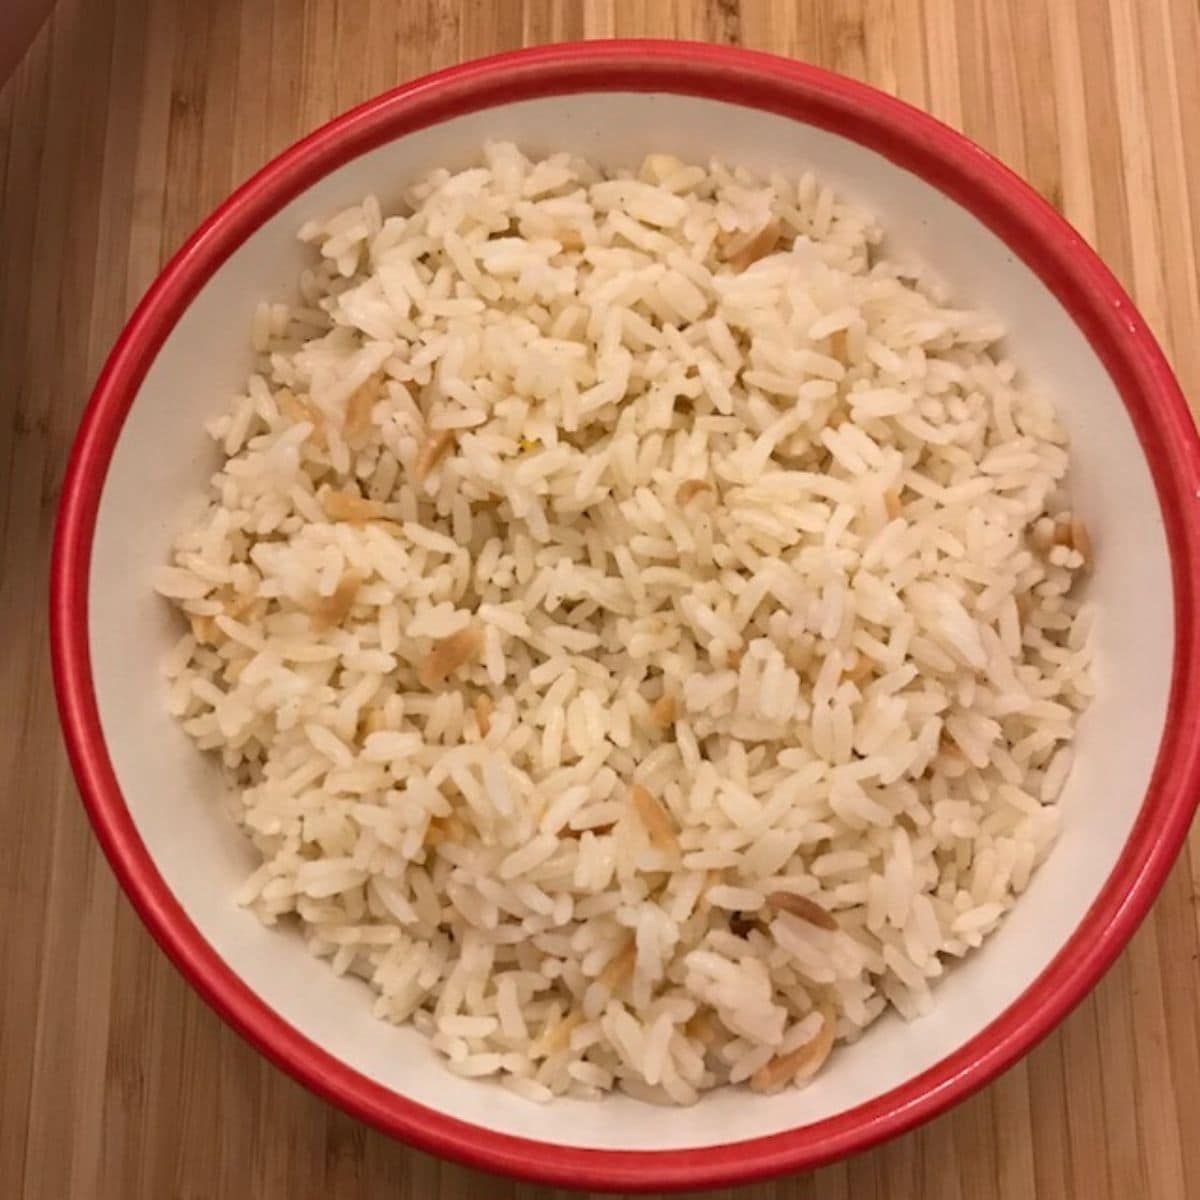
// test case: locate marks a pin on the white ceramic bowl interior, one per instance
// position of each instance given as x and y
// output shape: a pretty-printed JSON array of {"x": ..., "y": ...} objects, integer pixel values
[{"x": 163, "y": 460}]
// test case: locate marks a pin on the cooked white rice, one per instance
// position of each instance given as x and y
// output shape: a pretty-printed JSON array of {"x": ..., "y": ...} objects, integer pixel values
[{"x": 636, "y": 619}]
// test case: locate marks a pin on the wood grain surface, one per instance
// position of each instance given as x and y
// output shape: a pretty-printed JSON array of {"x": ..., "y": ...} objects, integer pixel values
[{"x": 127, "y": 121}]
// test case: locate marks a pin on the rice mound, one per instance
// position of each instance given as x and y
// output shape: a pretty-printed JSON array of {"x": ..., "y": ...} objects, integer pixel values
[{"x": 636, "y": 619}]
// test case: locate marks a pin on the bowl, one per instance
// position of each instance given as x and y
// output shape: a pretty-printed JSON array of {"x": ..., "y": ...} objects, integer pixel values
[{"x": 141, "y": 461}]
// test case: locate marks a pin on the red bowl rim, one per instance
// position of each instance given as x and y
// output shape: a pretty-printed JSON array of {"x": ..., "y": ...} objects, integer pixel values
[{"x": 915, "y": 141}]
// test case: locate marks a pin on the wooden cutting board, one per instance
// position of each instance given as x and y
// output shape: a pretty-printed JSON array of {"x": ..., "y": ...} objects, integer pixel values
[{"x": 116, "y": 1083}]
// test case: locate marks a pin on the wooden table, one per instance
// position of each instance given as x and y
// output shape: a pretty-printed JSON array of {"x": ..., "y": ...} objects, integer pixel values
[{"x": 116, "y": 1082}]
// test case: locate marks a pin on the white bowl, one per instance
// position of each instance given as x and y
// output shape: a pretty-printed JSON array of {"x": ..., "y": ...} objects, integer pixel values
[{"x": 141, "y": 463}]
